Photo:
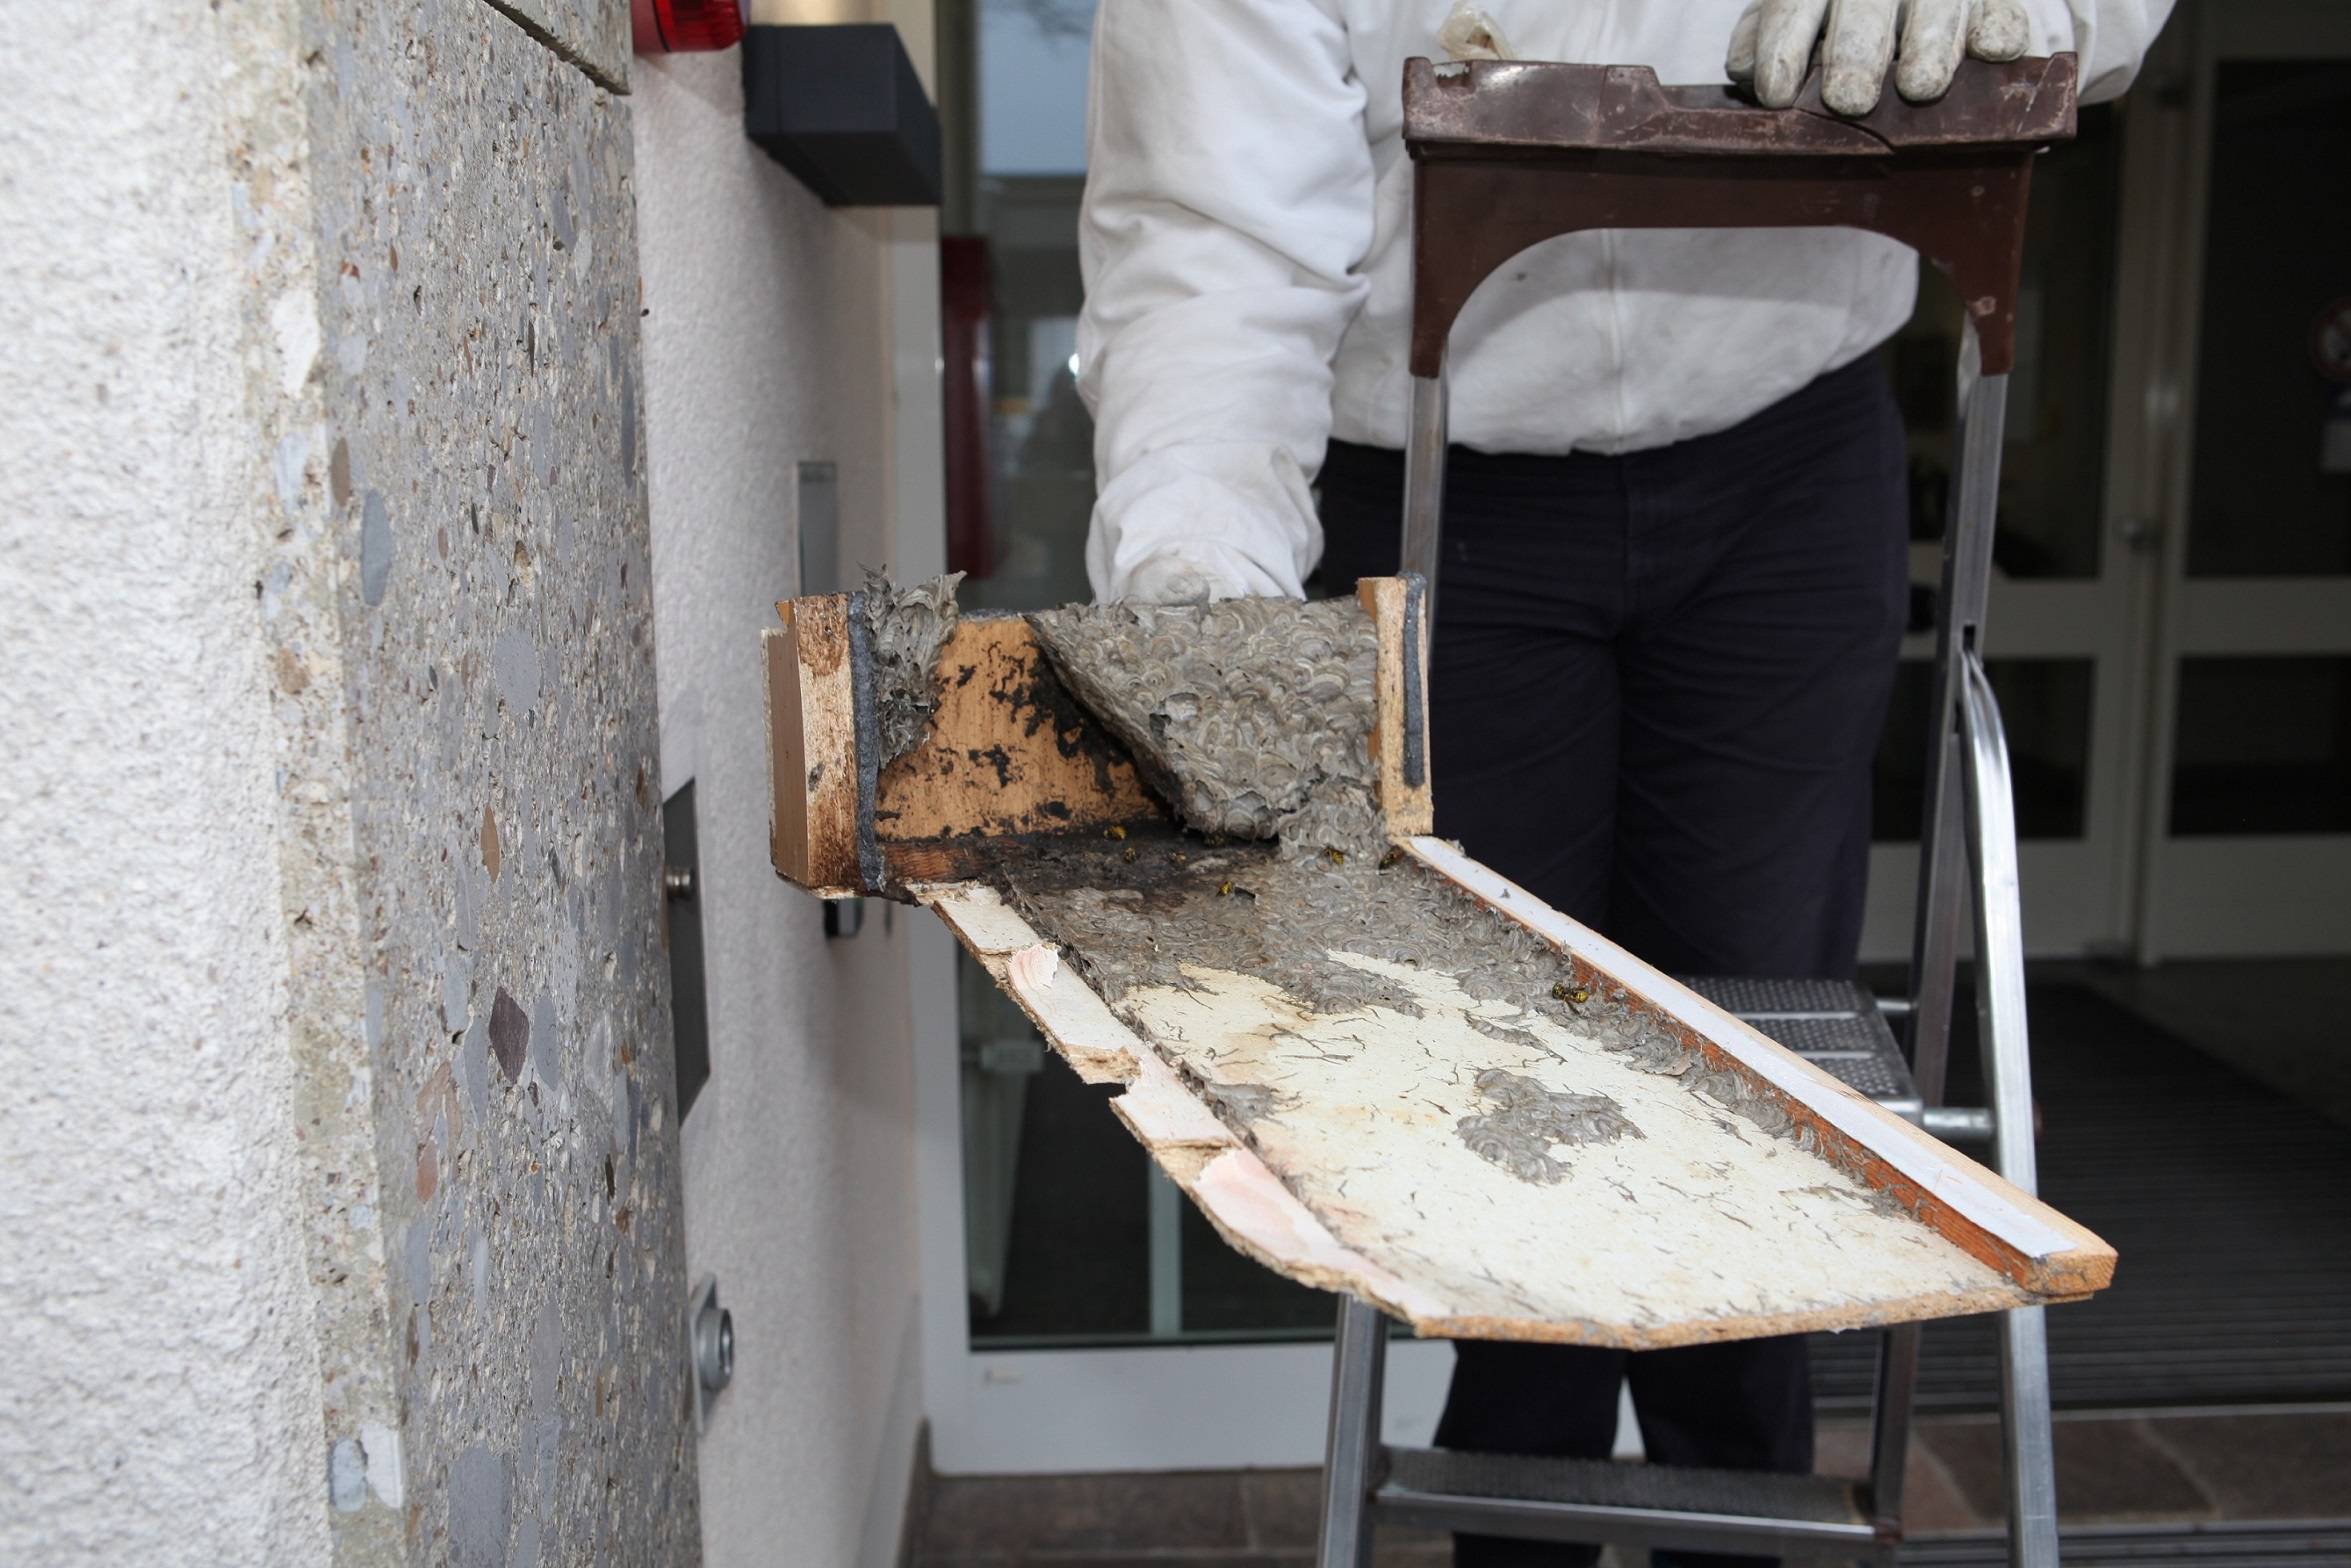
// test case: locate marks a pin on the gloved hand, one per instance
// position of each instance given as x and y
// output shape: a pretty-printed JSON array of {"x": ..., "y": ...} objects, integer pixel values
[
  {"x": 1171, "y": 579},
  {"x": 1772, "y": 43}
]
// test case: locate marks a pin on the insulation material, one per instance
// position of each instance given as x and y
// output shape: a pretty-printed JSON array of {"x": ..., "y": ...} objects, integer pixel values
[{"x": 1250, "y": 716}]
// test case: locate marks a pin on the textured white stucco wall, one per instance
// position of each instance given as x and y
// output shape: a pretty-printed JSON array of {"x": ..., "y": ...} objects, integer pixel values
[
  {"x": 766, "y": 345},
  {"x": 160, "y": 1379},
  {"x": 329, "y": 801}
]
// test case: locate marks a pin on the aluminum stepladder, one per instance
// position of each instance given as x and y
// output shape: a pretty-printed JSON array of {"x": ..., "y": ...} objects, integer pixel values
[{"x": 1507, "y": 155}]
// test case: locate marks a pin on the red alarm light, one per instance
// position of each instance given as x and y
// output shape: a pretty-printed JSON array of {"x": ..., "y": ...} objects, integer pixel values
[{"x": 686, "y": 26}]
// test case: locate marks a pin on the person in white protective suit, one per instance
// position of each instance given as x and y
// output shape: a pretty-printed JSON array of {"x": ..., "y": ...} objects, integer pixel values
[{"x": 1673, "y": 578}]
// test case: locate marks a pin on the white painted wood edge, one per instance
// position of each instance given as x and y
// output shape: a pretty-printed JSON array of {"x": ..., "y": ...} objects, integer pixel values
[
  {"x": 982, "y": 920},
  {"x": 1975, "y": 1194}
]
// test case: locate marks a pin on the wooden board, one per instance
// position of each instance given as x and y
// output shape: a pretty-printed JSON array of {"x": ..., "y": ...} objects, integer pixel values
[
  {"x": 1340, "y": 1058},
  {"x": 811, "y": 744},
  {"x": 1399, "y": 745},
  {"x": 1009, "y": 753},
  {"x": 1329, "y": 1145}
]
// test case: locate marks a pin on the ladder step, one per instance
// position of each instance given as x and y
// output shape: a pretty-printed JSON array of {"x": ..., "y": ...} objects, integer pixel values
[
  {"x": 1599, "y": 1500},
  {"x": 1833, "y": 1024}
]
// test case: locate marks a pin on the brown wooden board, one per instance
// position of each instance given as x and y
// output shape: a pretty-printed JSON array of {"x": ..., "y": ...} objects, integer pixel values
[
  {"x": 1399, "y": 745},
  {"x": 812, "y": 751},
  {"x": 1008, "y": 753},
  {"x": 1396, "y": 1075}
]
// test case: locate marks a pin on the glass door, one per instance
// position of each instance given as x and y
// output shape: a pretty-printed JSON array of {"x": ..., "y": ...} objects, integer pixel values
[
  {"x": 1089, "y": 1318},
  {"x": 2248, "y": 832},
  {"x": 2071, "y": 574}
]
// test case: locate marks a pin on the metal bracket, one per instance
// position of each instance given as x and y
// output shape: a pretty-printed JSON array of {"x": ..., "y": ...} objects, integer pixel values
[{"x": 689, "y": 1003}]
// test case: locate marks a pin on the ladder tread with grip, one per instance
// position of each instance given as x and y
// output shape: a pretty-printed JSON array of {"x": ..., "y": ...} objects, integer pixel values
[{"x": 1508, "y": 154}]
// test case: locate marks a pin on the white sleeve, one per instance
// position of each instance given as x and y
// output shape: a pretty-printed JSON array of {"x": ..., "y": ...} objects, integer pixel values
[
  {"x": 1228, "y": 206},
  {"x": 2111, "y": 37}
]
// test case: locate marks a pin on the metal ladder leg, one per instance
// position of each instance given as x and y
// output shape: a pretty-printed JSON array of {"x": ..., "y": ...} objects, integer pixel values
[
  {"x": 2029, "y": 1453},
  {"x": 1359, "y": 1361},
  {"x": 1967, "y": 580},
  {"x": 1424, "y": 481},
  {"x": 1943, "y": 893}
]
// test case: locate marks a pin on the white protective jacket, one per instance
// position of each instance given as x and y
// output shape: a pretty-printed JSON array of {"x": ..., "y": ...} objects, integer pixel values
[{"x": 1247, "y": 262}]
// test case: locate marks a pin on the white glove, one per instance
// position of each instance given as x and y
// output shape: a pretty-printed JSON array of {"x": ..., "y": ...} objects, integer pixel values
[
  {"x": 1171, "y": 579},
  {"x": 1468, "y": 33},
  {"x": 1772, "y": 43}
]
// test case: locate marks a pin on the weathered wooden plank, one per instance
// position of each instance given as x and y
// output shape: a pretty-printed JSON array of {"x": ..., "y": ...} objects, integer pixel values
[
  {"x": 812, "y": 746},
  {"x": 1401, "y": 1076},
  {"x": 1695, "y": 1216},
  {"x": 1399, "y": 745},
  {"x": 1007, "y": 752},
  {"x": 2025, "y": 1239},
  {"x": 1243, "y": 1199}
]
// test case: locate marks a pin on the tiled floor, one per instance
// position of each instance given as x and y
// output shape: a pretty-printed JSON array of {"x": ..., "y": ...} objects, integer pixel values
[
  {"x": 2278, "y": 1019},
  {"x": 2177, "y": 1468}
]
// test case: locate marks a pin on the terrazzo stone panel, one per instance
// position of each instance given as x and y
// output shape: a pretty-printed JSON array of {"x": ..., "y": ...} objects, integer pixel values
[
  {"x": 478, "y": 354},
  {"x": 592, "y": 34}
]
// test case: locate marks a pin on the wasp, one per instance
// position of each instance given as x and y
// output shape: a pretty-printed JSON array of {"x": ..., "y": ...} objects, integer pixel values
[
  {"x": 1574, "y": 995},
  {"x": 1114, "y": 831},
  {"x": 1394, "y": 856},
  {"x": 1127, "y": 854},
  {"x": 1335, "y": 855}
]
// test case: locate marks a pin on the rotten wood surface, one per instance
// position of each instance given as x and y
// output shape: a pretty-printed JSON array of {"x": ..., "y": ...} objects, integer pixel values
[
  {"x": 1399, "y": 742},
  {"x": 1402, "y": 1077},
  {"x": 1339, "y": 1147},
  {"x": 1009, "y": 753}
]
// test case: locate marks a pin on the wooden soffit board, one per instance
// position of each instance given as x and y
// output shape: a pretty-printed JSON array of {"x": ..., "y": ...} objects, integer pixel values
[{"x": 1398, "y": 1074}]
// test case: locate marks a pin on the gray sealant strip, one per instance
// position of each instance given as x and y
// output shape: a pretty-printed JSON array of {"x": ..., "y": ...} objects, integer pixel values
[
  {"x": 1416, "y": 752},
  {"x": 869, "y": 741}
]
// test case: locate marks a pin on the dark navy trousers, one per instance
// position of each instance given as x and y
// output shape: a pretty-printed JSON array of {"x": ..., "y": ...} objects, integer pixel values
[{"x": 1656, "y": 686}]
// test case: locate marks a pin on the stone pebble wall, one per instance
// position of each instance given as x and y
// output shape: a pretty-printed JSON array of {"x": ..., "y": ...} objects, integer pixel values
[{"x": 479, "y": 353}]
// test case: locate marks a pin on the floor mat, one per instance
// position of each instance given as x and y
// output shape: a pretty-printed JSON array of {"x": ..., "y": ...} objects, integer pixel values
[{"x": 2229, "y": 1204}]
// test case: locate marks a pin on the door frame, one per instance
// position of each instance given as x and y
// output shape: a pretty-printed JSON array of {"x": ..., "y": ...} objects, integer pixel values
[{"x": 2238, "y": 895}]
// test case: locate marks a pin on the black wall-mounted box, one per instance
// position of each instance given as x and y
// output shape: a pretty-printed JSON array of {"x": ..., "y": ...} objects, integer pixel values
[{"x": 841, "y": 107}]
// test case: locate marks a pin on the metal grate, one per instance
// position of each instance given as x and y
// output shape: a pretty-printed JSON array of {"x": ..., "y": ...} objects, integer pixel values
[
  {"x": 1436, "y": 1472},
  {"x": 1833, "y": 1024}
]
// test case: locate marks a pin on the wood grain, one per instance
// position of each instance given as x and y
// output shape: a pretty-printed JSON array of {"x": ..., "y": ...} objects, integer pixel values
[
  {"x": 1007, "y": 752},
  {"x": 1408, "y": 808},
  {"x": 812, "y": 746}
]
